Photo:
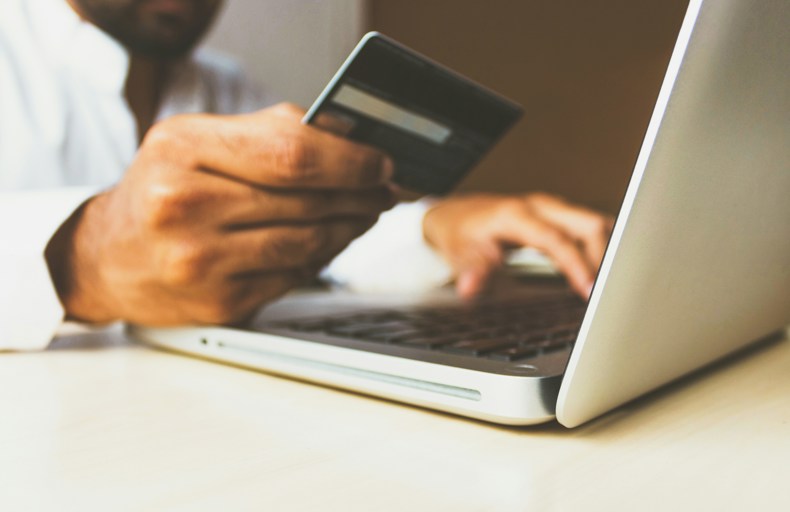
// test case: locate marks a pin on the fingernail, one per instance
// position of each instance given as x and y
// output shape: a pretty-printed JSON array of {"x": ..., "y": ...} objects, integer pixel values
[
  {"x": 387, "y": 169},
  {"x": 589, "y": 289}
]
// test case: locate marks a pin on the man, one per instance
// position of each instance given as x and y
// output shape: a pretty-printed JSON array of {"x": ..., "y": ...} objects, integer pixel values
[{"x": 216, "y": 212}]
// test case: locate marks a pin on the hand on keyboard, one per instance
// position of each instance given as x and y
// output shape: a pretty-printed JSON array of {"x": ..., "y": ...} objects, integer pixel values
[{"x": 474, "y": 233}]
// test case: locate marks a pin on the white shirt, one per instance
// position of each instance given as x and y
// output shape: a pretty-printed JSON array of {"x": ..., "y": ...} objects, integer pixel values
[{"x": 66, "y": 132}]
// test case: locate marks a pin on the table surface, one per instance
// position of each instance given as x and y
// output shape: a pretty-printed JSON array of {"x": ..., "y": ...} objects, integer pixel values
[{"x": 101, "y": 423}]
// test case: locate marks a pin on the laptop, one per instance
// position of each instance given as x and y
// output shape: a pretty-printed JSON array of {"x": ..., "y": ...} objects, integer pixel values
[{"x": 697, "y": 267}]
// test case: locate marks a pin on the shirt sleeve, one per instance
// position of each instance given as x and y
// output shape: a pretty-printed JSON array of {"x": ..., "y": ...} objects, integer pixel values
[
  {"x": 392, "y": 257},
  {"x": 30, "y": 311}
]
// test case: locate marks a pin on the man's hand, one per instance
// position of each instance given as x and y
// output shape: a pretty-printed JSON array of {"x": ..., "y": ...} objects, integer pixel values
[
  {"x": 216, "y": 216},
  {"x": 473, "y": 233}
]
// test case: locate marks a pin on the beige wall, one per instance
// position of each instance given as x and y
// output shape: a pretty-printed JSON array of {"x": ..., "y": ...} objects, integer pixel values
[
  {"x": 292, "y": 47},
  {"x": 587, "y": 74}
]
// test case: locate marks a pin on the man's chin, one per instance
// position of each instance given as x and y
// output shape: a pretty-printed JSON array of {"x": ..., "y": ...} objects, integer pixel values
[
  {"x": 154, "y": 29},
  {"x": 162, "y": 42},
  {"x": 182, "y": 9},
  {"x": 159, "y": 51}
]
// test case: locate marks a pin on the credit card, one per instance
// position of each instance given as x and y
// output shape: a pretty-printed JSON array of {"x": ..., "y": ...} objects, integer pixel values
[{"x": 433, "y": 122}]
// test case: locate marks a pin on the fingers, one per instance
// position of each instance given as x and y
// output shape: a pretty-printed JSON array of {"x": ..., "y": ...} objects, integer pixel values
[
  {"x": 590, "y": 228},
  {"x": 256, "y": 207},
  {"x": 564, "y": 251},
  {"x": 208, "y": 202},
  {"x": 267, "y": 249},
  {"x": 211, "y": 199},
  {"x": 465, "y": 228},
  {"x": 271, "y": 148},
  {"x": 334, "y": 123}
]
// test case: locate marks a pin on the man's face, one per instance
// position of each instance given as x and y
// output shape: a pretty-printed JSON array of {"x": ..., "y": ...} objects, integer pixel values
[{"x": 157, "y": 29}]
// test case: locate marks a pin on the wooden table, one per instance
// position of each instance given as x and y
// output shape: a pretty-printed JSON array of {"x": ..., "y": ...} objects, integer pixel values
[{"x": 101, "y": 423}]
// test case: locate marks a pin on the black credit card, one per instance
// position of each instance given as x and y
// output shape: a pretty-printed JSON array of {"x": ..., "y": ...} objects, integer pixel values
[{"x": 434, "y": 123}]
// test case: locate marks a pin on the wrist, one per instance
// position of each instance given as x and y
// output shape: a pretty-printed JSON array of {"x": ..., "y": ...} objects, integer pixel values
[
  {"x": 74, "y": 268},
  {"x": 429, "y": 228}
]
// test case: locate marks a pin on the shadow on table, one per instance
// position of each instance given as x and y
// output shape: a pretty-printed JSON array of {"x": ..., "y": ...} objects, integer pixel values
[
  {"x": 646, "y": 403},
  {"x": 643, "y": 404},
  {"x": 80, "y": 338}
]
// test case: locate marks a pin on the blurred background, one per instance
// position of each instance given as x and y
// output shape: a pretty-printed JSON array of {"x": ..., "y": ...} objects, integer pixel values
[{"x": 587, "y": 73}]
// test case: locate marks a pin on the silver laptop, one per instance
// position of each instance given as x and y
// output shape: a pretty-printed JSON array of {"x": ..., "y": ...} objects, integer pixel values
[{"x": 698, "y": 265}]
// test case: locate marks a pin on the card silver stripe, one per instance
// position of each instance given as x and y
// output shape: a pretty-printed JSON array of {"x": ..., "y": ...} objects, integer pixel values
[{"x": 384, "y": 111}]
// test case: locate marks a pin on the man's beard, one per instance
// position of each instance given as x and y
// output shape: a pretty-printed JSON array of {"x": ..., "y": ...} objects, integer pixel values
[{"x": 155, "y": 29}]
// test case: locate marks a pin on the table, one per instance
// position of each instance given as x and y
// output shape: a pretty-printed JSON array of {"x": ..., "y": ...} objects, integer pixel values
[{"x": 99, "y": 422}]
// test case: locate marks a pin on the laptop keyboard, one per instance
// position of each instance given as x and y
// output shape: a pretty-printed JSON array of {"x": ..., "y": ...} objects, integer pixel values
[{"x": 504, "y": 331}]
